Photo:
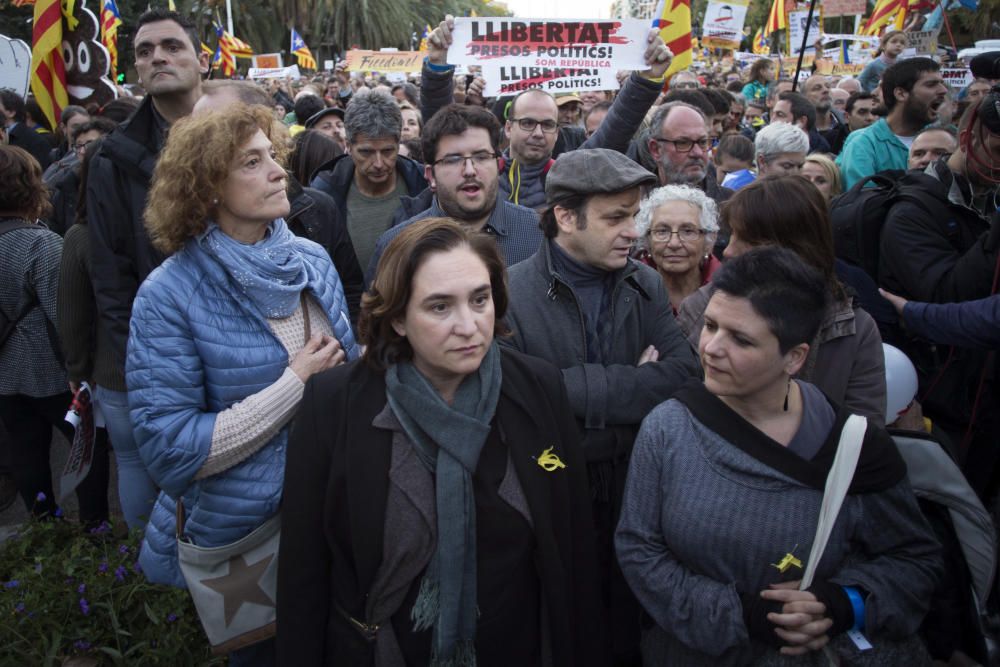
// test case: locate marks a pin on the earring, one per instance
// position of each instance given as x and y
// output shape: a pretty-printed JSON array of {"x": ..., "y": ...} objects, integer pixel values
[{"x": 788, "y": 390}]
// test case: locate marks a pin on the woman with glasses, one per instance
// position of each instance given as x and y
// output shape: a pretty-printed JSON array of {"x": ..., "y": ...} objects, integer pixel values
[{"x": 677, "y": 226}]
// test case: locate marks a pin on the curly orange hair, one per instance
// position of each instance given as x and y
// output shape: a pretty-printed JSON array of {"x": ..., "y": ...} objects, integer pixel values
[{"x": 194, "y": 166}]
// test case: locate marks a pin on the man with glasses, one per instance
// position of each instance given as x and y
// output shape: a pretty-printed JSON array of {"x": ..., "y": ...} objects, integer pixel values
[
  {"x": 532, "y": 119},
  {"x": 584, "y": 305},
  {"x": 462, "y": 147},
  {"x": 368, "y": 181},
  {"x": 679, "y": 144}
]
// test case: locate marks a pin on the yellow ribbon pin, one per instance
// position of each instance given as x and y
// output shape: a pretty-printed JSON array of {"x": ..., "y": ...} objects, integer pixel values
[
  {"x": 549, "y": 461},
  {"x": 788, "y": 561}
]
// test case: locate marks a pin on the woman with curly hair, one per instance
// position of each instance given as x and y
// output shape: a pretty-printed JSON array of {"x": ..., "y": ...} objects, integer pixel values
[{"x": 224, "y": 335}]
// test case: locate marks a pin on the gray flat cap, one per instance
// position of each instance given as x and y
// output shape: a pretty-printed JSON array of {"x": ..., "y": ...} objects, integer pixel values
[{"x": 593, "y": 171}]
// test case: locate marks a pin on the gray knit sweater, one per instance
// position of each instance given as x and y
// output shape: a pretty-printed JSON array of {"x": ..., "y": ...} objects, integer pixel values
[{"x": 702, "y": 521}]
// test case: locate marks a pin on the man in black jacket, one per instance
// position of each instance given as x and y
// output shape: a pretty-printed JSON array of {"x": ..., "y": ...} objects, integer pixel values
[{"x": 14, "y": 117}]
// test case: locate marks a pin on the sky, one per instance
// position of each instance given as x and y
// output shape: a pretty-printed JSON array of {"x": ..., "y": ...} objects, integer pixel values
[{"x": 560, "y": 9}]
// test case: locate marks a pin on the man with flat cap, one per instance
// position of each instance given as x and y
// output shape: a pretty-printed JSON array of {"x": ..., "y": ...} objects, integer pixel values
[{"x": 583, "y": 304}]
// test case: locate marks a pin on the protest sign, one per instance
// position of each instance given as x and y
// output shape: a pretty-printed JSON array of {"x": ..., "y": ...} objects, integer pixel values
[
  {"x": 329, "y": 65},
  {"x": 869, "y": 40},
  {"x": 797, "y": 28},
  {"x": 15, "y": 65},
  {"x": 268, "y": 61},
  {"x": 844, "y": 7},
  {"x": 923, "y": 42},
  {"x": 291, "y": 72},
  {"x": 957, "y": 77},
  {"x": 554, "y": 55},
  {"x": 81, "y": 451},
  {"x": 384, "y": 61},
  {"x": 723, "y": 25}
]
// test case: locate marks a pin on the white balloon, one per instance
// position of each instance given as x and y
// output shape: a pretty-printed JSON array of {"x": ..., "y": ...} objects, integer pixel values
[{"x": 900, "y": 382}]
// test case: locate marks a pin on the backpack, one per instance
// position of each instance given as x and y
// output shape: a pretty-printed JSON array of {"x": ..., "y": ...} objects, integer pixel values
[
  {"x": 7, "y": 325},
  {"x": 962, "y": 613},
  {"x": 857, "y": 216}
]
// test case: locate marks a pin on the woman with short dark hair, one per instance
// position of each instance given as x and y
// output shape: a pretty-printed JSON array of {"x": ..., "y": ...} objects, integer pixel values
[
  {"x": 724, "y": 493},
  {"x": 436, "y": 509}
]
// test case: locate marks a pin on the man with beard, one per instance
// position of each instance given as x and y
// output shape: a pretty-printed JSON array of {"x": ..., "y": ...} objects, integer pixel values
[
  {"x": 829, "y": 122},
  {"x": 912, "y": 90},
  {"x": 462, "y": 147}
]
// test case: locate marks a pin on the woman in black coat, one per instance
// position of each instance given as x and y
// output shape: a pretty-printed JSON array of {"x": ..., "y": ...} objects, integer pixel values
[{"x": 436, "y": 507}]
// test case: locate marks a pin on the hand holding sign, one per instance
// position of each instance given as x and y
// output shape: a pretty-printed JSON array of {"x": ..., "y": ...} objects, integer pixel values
[
  {"x": 657, "y": 56},
  {"x": 439, "y": 40}
]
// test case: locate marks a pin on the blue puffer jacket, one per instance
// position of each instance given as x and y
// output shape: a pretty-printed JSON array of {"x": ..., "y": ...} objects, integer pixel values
[{"x": 197, "y": 346}]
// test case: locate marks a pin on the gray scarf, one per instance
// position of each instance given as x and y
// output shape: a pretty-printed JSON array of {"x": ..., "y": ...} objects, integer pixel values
[{"x": 448, "y": 440}]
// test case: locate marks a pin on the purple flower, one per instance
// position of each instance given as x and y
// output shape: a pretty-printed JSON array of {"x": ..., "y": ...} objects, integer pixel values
[
  {"x": 137, "y": 567},
  {"x": 171, "y": 618},
  {"x": 19, "y": 608},
  {"x": 81, "y": 645},
  {"x": 13, "y": 583},
  {"x": 58, "y": 513},
  {"x": 81, "y": 588},
  {"x": 40, "y": 497},
  {"x": 84, "y": 606},
  {"x": 123, "y": 549},
  {"x": 103, "y": 567},
  {"x": 120, "y": 573}
]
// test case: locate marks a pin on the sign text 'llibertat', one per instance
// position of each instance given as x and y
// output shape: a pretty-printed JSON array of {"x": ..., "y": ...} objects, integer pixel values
[{"x": 567, "y": 32}]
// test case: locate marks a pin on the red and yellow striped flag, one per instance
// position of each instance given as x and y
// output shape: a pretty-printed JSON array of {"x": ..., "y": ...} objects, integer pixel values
[
  {"x": 777, "y": 19},
  {"x": 674, "y": 23},
  {"x": 48, "y": 71},
  {"x": 882, "y": 15},
  {"x": 110, "y": 20}
]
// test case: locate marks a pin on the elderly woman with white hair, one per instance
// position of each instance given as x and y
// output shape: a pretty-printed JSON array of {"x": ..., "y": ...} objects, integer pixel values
[
  {"x": 781, "y": 150},
  {"x": 678, "y": 226}
]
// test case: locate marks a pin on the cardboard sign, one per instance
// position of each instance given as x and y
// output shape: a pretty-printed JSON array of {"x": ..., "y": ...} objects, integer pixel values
[
  {"x": 291, "y": 72},
  {"x": 615, "y": 44},
  {"x": 384, "y": 61},
  {"x": 15, "y": 65},
  {"x": 844, "y": 7},
  {"x": 268, "y": 61},
  {"x": 923, "y": 42},
  {"x": 723, "y": 25},
  {"x": 957, "y": 77}
]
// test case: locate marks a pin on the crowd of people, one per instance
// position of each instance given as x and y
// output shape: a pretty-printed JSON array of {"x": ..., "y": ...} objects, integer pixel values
[{"x": 536, "y": 380}]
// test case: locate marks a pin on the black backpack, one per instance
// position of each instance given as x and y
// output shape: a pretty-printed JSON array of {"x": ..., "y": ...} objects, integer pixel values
[
  {"x": 857, "y": 216},
  {"x": 7, "y": 326}
]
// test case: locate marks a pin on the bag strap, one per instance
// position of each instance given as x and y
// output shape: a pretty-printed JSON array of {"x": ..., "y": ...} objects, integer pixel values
[
  {"x": 305, "y": 317},
  {"x": 837, "y": 482},
  {"x": 179, "y": 529}
]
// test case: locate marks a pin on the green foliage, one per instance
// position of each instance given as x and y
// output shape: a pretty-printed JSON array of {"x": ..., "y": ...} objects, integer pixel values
[{"x": 67, "y": 593}]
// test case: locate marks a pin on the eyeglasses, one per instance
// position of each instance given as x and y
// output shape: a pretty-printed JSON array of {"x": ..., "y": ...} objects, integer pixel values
[
  {"x": 685, "y": 234},
  {"x": 685, "y": 145},
  {"x": 455, "y": 161},
  {"x": 529, "y": 124},
  {"x": 80, "y": 148},
  {"x": 684, "y": 85}
]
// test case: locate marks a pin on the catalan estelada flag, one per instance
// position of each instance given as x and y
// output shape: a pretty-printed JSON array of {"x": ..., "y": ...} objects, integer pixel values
[
  {"x": 110, "y": 20},
  {"x": 423, "y": 38},
  {"x": 48, "y": 71},
  {"x": 760, "y": 43},
  {"x": 224, "y": 58},
  {"x": 777, "y": 19},
  {"x": 882, "y": 15},
  {"x": 237, "y": 46},
  {"x": 207, "y": 50},
  {"x": 674, "y": 23},
  {"x": 302, "y": 51}
]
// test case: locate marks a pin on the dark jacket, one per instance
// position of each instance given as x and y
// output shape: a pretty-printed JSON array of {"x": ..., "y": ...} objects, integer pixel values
[
  {"x": 334, "y": 178},
  {"x": 63, "y": 182},
  {"x": 337, "y": 478},
  {"x": 315, "y": 216},
  {"x": 24, "y": 137},
  {"x": 969, "y": 324},
  {"x": 937, "y": 253},
  {"x": 121, "y": 253},
  {"x": 610, "y": 401}
]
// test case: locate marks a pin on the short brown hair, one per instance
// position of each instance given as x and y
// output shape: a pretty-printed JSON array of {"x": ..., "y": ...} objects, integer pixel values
[
  {"x": 194, "y": 165},
  {"x": 386, "y": 300},
  {"x": 23, "y": 193},
  {"x": 785, "y": 211}
]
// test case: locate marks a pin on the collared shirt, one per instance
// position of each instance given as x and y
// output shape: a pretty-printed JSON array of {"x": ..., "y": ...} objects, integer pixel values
[{"x": 514, "y": 227}]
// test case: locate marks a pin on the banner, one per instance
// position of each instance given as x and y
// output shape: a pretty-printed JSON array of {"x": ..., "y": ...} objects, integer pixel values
[
  {"x": 866, "y": 39},
  {"x": 15, "y": 65},
  {"x": 268, "y": 61},
  {"x": 554, "y": 55},
  {"x": 797, "y": 28},
  {"x": 291, "y": 72},
  {"x": 723, "y": 25},
  {"x": 957, "y": 77},
  {"x": 384, "y": 61},
  {"x": 844, "y": 7}
]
